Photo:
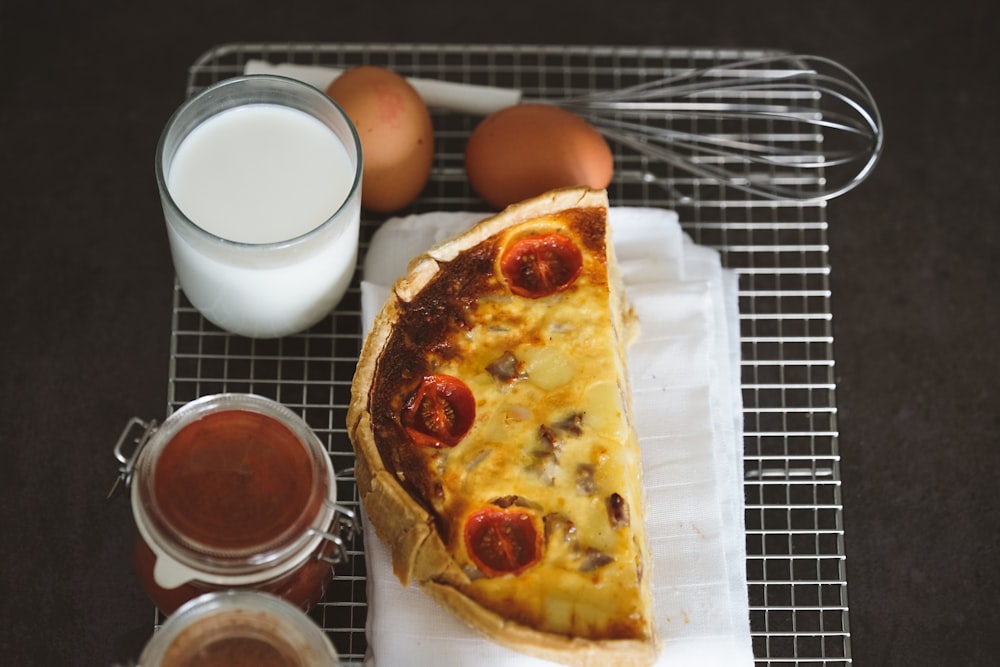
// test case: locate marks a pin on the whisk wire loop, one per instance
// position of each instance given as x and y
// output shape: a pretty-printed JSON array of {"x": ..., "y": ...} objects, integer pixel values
[{"x": 723, "y": 122}]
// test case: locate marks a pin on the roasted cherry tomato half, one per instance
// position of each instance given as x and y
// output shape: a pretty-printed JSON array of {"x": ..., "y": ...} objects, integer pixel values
[
  {"x": 536, "y": 266},
  {"x": 503, "y": 540},
  {"x": 440, "y": 412}
]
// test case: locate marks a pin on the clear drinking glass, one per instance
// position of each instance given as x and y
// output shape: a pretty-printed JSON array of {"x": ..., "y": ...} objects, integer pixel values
[{"x": 260, "y": 180}]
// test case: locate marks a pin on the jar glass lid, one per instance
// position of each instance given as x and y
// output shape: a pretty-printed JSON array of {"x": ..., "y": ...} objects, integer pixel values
[
  {"x": 235, "y": 480},
  {"x": 239, "y": 627}
]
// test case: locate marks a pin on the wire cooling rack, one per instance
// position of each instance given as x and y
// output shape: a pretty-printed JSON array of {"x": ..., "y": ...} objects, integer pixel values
[{"x": 794, "y": 531}]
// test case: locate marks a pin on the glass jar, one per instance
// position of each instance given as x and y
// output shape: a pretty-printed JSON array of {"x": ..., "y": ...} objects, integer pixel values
[
  {"x": 239, "y": 628},
  {"x": 233, "y": 491}
]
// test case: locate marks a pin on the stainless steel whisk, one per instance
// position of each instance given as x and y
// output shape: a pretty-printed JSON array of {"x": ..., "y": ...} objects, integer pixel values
[
  {"x": 788, "y": 127},
  {"x": 780, "y": 126}
]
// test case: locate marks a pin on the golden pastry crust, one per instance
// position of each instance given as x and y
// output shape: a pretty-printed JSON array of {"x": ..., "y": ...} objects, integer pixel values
[{"x": 420, "y": 517}]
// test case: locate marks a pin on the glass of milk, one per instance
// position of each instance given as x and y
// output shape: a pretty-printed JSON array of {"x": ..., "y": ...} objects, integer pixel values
[{"x": 260, "y": 179}]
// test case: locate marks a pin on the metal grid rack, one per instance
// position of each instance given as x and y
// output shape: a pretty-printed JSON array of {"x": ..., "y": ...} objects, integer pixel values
[{"x": 794, "y": 530}]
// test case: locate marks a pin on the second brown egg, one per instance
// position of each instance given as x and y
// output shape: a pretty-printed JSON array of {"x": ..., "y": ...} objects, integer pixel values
[{"x": 525, "y": 150}]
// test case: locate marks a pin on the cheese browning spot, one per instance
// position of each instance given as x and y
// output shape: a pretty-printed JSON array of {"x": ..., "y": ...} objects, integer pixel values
[
  {"x": 595, "y": 559},
  {"x": 573, "y": 424},
  {"x": 545, "y": 462},
  {"x": 507, "y": 369},
  {"x": 585, "y": 484},
  {"x": 618, "y": 512}
]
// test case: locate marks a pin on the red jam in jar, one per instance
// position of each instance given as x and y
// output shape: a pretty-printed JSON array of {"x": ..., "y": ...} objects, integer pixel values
[
  {"x": 239, "y": 628},
  {"x": 234, "y": 491}
]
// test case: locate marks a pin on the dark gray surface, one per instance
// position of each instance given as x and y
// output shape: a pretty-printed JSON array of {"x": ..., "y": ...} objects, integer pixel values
[{"x": 86, "y": 280}]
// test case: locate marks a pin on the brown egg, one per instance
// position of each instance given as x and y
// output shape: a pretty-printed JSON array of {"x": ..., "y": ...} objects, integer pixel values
[
  {"x": 528, "y": 149},
  {"x": 397, "y": 137}
]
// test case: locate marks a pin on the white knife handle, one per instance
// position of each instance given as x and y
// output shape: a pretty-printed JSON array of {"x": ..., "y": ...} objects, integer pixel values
[{"x": 463, "y": 97}]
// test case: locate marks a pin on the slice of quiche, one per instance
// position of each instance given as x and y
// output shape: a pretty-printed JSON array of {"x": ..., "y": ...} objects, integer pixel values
[{"x": 496, "y": 456}]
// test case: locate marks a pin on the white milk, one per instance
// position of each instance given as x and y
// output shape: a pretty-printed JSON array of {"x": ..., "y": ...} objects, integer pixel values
[
  {"x": 260, "y": 173},
  {"x": 262, "y": 176}
]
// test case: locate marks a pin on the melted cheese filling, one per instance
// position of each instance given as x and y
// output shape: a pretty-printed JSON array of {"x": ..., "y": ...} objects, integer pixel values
[{"x": 557, "y": 437}]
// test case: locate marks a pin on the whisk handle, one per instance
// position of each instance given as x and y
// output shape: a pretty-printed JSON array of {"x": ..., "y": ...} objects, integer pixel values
[
  {"x": 462, "y": 97},
  {"x": 465, "y": 97}
]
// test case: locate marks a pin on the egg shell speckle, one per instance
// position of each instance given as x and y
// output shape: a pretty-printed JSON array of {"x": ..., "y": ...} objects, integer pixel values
[{"x": 396, "y": 134}]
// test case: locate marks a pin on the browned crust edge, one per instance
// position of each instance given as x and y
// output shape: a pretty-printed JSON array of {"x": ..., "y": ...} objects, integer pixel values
[
  {"x": 423, "y": 268},
  {"x": 574, "y": 651}
]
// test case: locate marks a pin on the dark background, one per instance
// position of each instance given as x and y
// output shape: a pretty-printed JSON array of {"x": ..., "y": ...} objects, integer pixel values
[{"x": 85, "y": 287}]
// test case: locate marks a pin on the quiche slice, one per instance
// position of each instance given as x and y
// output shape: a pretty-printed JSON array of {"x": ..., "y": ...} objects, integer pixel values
[{"x": 491, "y": 418}]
